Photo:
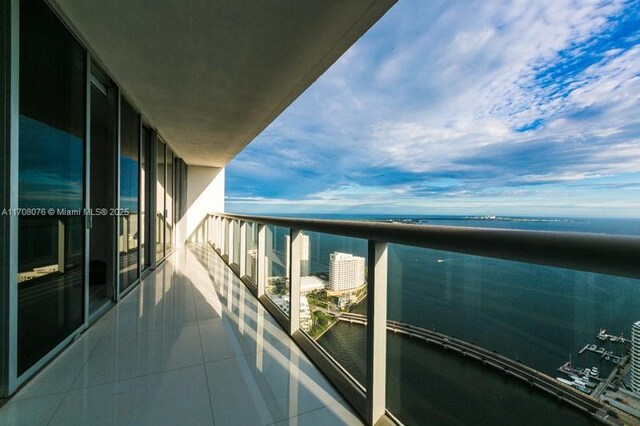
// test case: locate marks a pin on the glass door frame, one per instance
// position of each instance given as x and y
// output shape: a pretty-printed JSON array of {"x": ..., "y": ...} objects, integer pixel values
[
  {"x": 8, "y": 171},
  {"x": 112, "y": 92},
  {"x": 11, "y": 380},
  {"x": 147, "y": 147}
]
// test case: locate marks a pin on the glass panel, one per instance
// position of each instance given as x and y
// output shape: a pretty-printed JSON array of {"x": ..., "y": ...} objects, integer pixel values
[
  {"x": 333, "y": 273},
  {"x": 169, "y": 200},
  {"x": 211, "y": 223},
  {"x": 226, "y": 237},
  {"x": 51, "y": 176},
  {"x": 236, "y": 242},
  {"x": 129, "y": 190},
  {"x": 160, "y": 201},
  {"x": 538, "y": 316},
  {"x": 277, "y": 266},
  {"x": 103, "y": 197},
  {"x": 252, "y": 252}
]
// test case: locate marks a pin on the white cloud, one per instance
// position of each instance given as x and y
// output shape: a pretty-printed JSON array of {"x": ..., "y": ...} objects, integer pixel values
[{"x": 441, "y": 88}]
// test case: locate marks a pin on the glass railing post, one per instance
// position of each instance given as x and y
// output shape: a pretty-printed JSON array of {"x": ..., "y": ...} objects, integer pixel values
[
  {"x": 207, "y": 229},
  {"x": 223, "y": 236},
  {"x": 376, "y": 331},
  {"x": 294, "y": 280},
  {"x": 218, "y": 233},
  {"x": 262, "y": 270},
  {"x": 242, "y": 261}
]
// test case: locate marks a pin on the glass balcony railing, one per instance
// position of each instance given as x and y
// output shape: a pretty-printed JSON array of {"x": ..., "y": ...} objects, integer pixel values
[{"x": 462, "y": 325}]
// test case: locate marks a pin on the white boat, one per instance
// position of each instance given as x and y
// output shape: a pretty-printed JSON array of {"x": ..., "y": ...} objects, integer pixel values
[{"x": 565, "y": 381}]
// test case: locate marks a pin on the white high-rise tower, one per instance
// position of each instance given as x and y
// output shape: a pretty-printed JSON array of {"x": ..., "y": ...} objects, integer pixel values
[{"x": 346, "y": 271}]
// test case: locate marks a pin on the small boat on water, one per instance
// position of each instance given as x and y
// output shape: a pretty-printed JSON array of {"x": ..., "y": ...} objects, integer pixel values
[{"x": 579, "y": 384}]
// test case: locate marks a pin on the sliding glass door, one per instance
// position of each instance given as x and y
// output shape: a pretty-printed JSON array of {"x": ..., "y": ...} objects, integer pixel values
[
  {"x": 51, "y": 184},
  {"x": 102, "y": 189},
  {"x": 129, "y": 191},
  {"x": 160, "y": 202}
]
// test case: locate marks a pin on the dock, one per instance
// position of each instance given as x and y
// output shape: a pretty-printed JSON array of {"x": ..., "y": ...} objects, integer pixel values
[
  {"x": 604, "y": 354},
  {"x": 602, "y": 335}
]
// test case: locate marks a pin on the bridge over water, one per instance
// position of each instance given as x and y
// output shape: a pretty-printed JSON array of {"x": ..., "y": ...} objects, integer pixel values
[{"x": 509, "y": 366}]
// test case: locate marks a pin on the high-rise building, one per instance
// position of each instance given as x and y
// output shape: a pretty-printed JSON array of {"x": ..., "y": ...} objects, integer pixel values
[
  {"x": 635, "y": 357},
  {"x": 346, "y": 271}
]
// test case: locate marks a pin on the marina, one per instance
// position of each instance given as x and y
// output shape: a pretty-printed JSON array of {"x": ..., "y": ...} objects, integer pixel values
[{"x": 604, "y": 354}]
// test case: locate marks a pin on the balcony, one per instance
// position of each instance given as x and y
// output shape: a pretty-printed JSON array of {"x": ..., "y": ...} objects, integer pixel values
[
  {"x": 488, "y": 315},
  {"x": 189, "y": 345}
]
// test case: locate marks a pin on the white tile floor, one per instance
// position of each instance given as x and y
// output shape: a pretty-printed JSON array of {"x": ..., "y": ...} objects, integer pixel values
[{"x": 189, "y": 346}]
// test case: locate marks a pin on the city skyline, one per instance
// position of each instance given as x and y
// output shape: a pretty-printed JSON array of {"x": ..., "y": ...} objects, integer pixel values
[{"x": 474, "y": 108}]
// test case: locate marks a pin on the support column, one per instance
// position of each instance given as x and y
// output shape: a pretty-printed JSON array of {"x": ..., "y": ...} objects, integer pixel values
[
  {"x": 294, "y": 280},
  {"x": 242, "y": 262},
  {"x": 262, "y": 270},
  {"x": 376, "y": 331}
]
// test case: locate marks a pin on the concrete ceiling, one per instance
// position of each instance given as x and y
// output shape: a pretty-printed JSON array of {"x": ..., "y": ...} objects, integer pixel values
[{"x": 210, "y": 75}]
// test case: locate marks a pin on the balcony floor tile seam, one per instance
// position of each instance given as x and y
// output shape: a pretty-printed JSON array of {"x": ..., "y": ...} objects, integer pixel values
[
  {"x": 137, "y": 376},
  {"x": 17, "y": 396},
  {"x": 206, "y": 376},
  {"x": 302, "y": 413},
  {"x": 149, "y": 331}
]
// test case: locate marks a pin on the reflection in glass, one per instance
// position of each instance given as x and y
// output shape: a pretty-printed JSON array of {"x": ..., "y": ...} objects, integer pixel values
[
  {"x": 129, "y": 187},
  {"x": 51, "y": 176},
  {"x": 333, "y": 271},
  {"x": 277, "y": 266},
  {"x": 160, "y": 193},
  {"x": 102, "y": 196}
]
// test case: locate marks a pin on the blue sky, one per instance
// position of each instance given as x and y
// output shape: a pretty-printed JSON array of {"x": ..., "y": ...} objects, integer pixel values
[{"x": 469, "y": 107}]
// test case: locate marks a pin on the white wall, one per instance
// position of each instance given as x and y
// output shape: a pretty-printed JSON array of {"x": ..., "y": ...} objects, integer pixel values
[{"x": 205, "y": 194}]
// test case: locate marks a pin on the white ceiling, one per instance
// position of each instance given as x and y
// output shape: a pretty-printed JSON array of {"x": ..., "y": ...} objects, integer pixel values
[{"x": 210, "y": 75}]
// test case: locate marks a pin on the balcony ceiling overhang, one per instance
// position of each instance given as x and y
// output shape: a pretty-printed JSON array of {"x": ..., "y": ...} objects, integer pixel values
[{"x": 210, "y": 75}]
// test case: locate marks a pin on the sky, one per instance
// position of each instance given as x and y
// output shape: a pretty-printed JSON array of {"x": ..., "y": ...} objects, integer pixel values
[{"x": 463, "y": 107}]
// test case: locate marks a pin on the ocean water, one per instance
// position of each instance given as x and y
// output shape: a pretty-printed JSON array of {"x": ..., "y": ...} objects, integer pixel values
[{"x": 536, "y": 314}]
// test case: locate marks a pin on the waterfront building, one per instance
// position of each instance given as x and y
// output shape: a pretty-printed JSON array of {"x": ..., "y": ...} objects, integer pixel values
[
  {"x": 346, "y": 272},
  {"x": 635, "y": 358},
  {"x": 311, "y": 283}
]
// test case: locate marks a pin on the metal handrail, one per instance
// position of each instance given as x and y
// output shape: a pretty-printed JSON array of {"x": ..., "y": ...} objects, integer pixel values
[{"x": 606, "y": 254}]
